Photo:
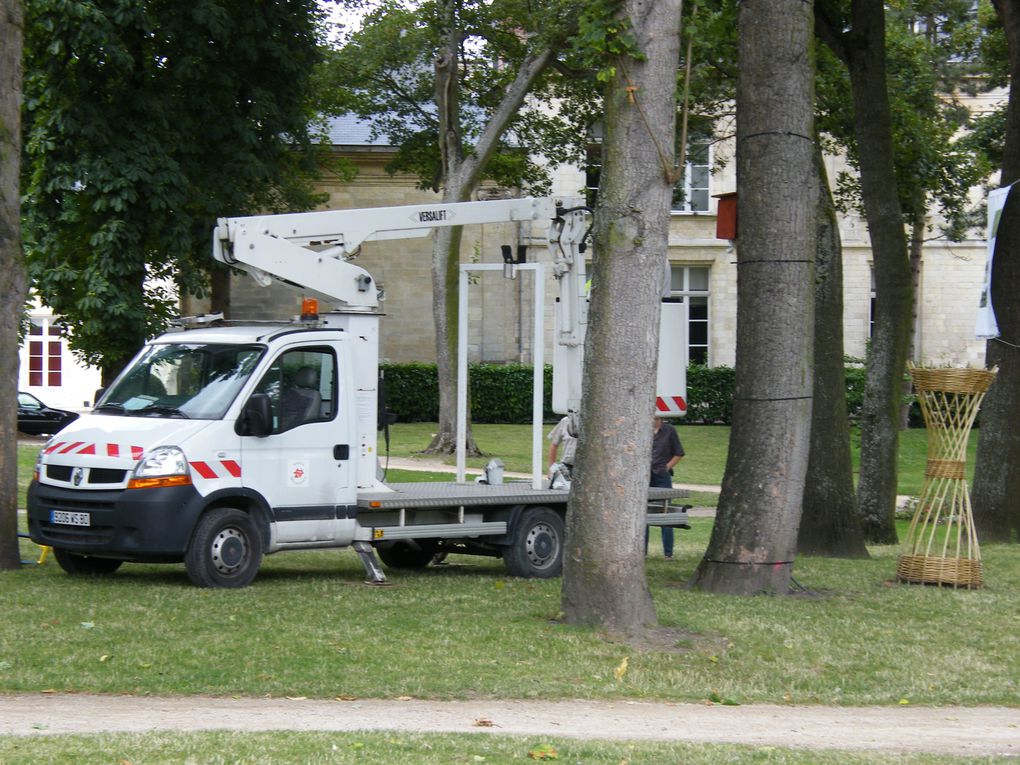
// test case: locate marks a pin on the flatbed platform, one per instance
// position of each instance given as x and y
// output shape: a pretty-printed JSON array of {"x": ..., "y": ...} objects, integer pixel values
[{"x": 436, "y": 494}]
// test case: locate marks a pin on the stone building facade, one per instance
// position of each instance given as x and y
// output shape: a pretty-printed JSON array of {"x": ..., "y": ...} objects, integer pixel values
[{"x": 704, "y": 274}]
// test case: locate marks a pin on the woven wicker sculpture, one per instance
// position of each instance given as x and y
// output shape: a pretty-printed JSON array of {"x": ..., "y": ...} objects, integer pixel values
[{"x": 941, "y": 546}]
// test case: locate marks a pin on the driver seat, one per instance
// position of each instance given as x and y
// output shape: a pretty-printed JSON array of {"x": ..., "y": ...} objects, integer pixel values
[{"x": 300, "y": 402}]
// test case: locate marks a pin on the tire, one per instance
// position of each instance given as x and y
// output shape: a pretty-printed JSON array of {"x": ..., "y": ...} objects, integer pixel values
[
  {"x": 225, "y": 549},
  {"x": 536, "y": 548},
  {"x": 412, "y": 554},
  {"x": 85, "y": 565}
]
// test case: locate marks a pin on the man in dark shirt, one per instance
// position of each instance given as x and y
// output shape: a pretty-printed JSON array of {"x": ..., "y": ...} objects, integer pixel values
[{"x": 666, "y": 452}]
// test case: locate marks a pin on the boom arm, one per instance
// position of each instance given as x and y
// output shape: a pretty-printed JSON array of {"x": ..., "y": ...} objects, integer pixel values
[{"x": 280, "y": 246}]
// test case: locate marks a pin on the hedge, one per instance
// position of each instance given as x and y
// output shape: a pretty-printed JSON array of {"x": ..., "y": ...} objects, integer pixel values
[
  {"x": 496, "y": 392},
  {"x": 502, "y": 392}
]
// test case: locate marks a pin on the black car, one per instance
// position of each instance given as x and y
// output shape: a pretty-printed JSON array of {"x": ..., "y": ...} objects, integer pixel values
[{"x": 37, "y": 419}]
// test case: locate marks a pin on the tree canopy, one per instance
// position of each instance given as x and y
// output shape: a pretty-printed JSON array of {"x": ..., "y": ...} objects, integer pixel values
[
  {"x": 144, "y": 121},
  {"x": 384, "y": 73}
]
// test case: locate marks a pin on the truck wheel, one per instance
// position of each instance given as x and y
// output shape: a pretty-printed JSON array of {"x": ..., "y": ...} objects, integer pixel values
[
  {"x": 225, "y": 550},
  {"x": 85, "y": 565},
  {"x": 407, "y": 554},
  {"x": 536, "y": 550}
]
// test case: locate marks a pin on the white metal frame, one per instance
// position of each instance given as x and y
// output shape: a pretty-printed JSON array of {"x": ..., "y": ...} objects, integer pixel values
[{"x": 538, "y": 360}]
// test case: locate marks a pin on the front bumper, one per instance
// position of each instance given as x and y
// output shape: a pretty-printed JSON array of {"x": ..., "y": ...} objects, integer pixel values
[{"x": 145, "y": 525}]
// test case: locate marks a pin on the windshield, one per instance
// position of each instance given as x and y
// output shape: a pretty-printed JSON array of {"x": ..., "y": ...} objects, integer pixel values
[{"x": 191, "y": 381}]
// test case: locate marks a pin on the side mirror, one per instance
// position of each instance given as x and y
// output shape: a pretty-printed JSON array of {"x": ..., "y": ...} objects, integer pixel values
[{"x": 256, "y": 418}]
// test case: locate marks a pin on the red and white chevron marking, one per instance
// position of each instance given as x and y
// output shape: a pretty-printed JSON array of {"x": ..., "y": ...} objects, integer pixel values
[
  {"x": 667, "y": 405},
  {"x": 102, "y": 450}
]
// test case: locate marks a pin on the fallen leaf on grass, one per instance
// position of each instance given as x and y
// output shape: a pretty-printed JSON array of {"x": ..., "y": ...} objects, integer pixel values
[
  {"x": 346, "y": 697},
  {"x": 104, "y": 658},
  {"x": 405, "y": 698},
  {"x": 621, "y": 670},
  {"x": 296, "y": 698},
  {"x": 483, "y": 722},
  {"x": 544, "y": 752}
]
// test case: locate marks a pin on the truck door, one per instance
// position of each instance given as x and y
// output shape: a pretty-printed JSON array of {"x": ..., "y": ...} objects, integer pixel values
[{"x": 303, "y": 468}]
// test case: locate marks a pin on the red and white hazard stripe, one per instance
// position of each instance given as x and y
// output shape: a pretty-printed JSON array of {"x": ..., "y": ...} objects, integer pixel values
[
  {"x": 212, "y": 470},
  {"x": 104, "y": 450},
  {"x": 670, "y": 405}
]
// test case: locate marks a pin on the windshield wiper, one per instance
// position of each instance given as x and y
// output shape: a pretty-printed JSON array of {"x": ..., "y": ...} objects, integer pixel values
[
  {"x": 112, "y": 407},
  {"x": 169, "y": 411}
]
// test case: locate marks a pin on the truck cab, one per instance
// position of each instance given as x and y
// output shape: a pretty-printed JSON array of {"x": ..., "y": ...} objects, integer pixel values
[{"x": 248, "y": 433}]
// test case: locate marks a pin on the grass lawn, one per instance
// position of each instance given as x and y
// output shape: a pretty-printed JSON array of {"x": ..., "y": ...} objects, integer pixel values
[
  {"x": 311, "y": 748},
  {"x": 309, "y": 627},
  {"x": 706, "y": 447}
]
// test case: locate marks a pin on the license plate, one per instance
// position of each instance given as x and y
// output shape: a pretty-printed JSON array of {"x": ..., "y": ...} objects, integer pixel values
[{"x": 70, "y": 519}]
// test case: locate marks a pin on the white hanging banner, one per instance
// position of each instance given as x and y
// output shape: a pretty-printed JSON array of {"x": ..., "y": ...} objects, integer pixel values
[{"x": 987, "y": 328}]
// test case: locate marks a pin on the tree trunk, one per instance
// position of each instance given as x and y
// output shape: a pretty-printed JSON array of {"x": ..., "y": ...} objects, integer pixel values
[
  {"x": 916, "y": 257},
  {"x": 755, "y": 534},
  {"x": 219, "y": 289},
  {"x": 13, "y": 283},
  {"x": 460, "y": 178},
  {"x": 604, "y": 564},
  {"x": 829, "y": 525},
  {"x": 893, "y": 300},
  {"x": 996, "y": 495}
]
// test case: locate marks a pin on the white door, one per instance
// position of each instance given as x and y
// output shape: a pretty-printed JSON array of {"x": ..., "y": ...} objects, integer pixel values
[{"x": 303, "y": 469}]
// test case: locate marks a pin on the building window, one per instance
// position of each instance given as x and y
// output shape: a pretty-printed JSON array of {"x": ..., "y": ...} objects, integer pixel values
[
  {"x": 45, "y": 357},
  {"x": 689, "y": 286},
  {"x": 592, "y": 175},
  {"x": 693, "y": 192},
  {"x": 691, "y": 195}
]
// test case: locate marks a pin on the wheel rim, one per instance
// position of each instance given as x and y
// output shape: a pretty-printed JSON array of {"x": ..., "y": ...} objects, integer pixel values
[
  {"x": 541, "y": 545},
  {"x": 229, "y": 550}
]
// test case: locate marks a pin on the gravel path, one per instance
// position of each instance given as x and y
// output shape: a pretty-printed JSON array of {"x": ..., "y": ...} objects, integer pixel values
[{"x": 968, "y": 732}]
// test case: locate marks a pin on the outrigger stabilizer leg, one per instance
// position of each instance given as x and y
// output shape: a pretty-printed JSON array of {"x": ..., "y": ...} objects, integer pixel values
[{"x": 373, "y": 571}]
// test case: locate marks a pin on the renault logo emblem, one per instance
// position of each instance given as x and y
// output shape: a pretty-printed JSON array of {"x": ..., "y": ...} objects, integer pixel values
[{"x": 78, "y": 476}]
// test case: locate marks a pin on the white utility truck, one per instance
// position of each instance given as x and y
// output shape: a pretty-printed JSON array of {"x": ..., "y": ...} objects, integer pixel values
[{"x": 220, "y": 444}]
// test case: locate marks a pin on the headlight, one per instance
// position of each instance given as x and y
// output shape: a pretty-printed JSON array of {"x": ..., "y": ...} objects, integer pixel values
[{"x": 163, "y": 466}]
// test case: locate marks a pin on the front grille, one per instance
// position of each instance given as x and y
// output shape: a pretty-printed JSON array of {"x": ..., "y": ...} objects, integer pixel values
[
  {"x": 77, "y": 505},
  {"x": 59, "y": 472},
  {"x": 106, "y": 475},
  {"x": 91, "y": 535}
]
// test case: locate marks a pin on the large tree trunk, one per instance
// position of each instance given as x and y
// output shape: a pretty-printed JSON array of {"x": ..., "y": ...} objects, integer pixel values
[
  {"x": 829, "y": 525},
  {"x": 996, "y": 495},
  {"x": 755, "y": 534},
  {"x": 893, "y": 299},
  {"x": 604, "y": 566},
  {"x": 13, "y": 286},
  {"x": 460, "y": 178}
]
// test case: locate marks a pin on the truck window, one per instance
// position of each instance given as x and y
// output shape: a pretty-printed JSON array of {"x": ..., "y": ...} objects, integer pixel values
[{"x": 301, "y": 385}]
